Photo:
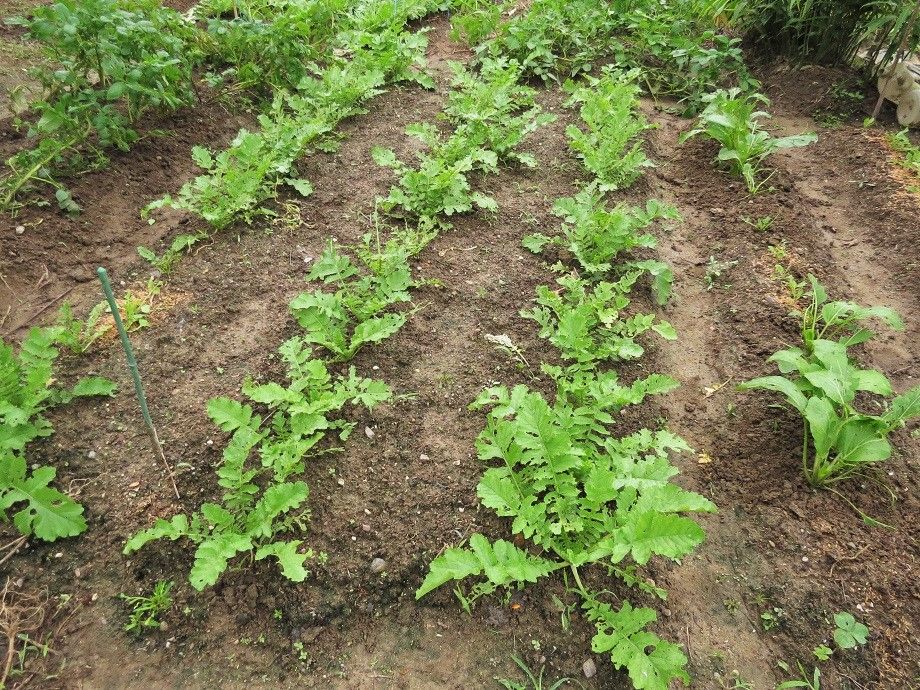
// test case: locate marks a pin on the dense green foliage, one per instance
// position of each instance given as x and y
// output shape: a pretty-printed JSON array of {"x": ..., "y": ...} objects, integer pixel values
[
  {"x": 264, "y": 502},
  {"x": 831, "y": 31},
  {"x": 237, "y": 181},
  {"x": 574, "y": 491},
  {"x": 108, "y": 62}
]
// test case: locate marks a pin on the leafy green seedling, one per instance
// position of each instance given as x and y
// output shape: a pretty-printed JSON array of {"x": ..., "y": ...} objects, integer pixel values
[
  {"x": 145, "y": 611},
  {"x": 732, "y": 119},
  {"x": 849, "y": 633}
]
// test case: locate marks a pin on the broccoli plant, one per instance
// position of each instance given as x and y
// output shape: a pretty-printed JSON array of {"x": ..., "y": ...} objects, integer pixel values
[{"x": 27, "y": 391}]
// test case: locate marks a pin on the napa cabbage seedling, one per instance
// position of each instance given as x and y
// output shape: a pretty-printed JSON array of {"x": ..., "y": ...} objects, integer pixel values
[
  {"x": 27, "y": 391},
  {"x": 596, "y": 237},
  {"x": 262, "y": 500},
  {"x": 610, "y": 145},
  {"x": 731, "y": 118},
  {"x": 587, "y": 322},
  {"x": 823, "y": 383}
]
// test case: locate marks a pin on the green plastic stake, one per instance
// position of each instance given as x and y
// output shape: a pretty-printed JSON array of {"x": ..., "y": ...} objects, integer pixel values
[{"x": 135, "y": 373}]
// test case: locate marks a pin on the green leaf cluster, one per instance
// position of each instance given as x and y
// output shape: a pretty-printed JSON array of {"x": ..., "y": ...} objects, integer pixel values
[
  {"x": 579, "y": 494},
  {"x": 270, "y": 46},
  {"x": 27, "y": 391},
  {"x": 732, "y": 118},
  {"x": 596, "y": 237},
  {"x": 262, "y": 501},
  {"x": 239, "y": 180},
  {"x": 587, "y": 322},
  {"x": 609, "y": 145},
  {"x": 344, "y": 321},
  {"x": 492, "y": 114},
  {"x": 823, "y": 383}
]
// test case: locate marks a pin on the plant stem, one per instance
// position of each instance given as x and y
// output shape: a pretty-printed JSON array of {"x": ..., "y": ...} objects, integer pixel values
[
  {"x": 809, "y": 475},
  {"x": 135, "y": 373},
  {"x": 581, "y": 587}
]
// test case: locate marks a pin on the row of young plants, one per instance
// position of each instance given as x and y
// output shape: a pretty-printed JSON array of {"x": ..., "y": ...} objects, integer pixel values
[
  {"x": 580, "y": 497},
  {"x": 356, "y": 304},
  {"x": 371, "y": 50},
  {"x": 675, "y": 44},
  {"x": 109, "y": 62}
]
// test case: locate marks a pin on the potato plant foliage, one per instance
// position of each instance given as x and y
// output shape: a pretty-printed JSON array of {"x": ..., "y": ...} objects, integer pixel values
[
  {"x": 27, "y": 390},
  {"x": 109, "y": 62}
]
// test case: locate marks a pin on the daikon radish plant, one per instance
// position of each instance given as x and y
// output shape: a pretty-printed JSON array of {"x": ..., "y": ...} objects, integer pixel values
[
  {"x": 732, "y": 119},
  {"x": 27, "y": 391}
]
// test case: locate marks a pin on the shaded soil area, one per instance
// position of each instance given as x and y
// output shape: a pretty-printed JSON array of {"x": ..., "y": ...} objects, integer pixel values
[{"x": 404, "y": 487}]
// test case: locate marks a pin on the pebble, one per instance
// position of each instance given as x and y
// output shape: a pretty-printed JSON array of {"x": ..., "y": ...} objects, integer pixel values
[
  {"x": 366, "y": 528},
  {"x": 340, "y": 481},
  {"x": 378, "y": 565},
  {"x": 20, "y": 229},
  {"x": 91, "y": 455},
  {"x": 423, "y": 457},
  {"x": 589, "y": 668},
  {"x": 370, "y": 433}
]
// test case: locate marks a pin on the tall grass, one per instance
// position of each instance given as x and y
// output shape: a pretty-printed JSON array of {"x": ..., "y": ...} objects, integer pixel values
[{"x": 832, "y": 32}]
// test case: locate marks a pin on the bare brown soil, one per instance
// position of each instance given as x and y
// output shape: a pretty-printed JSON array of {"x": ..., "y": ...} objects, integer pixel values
[{"x": 407, "y": 490}]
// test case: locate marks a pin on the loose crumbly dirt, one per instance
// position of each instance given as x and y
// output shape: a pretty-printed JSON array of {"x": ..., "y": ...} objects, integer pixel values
[{"x": 407, "y": 490}]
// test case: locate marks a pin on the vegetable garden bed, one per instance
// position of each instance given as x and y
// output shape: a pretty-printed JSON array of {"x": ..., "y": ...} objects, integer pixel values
[{"x": 391, "y": 501}]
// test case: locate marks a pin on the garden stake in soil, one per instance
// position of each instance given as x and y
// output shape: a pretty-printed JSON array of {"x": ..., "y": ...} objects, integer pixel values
[{"x": 135, "y": 374}]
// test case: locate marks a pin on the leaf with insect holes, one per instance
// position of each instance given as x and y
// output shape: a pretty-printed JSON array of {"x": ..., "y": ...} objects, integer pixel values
[
  {"x": 332, "y": 266},
  {"x": 303, "y": 187}
]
